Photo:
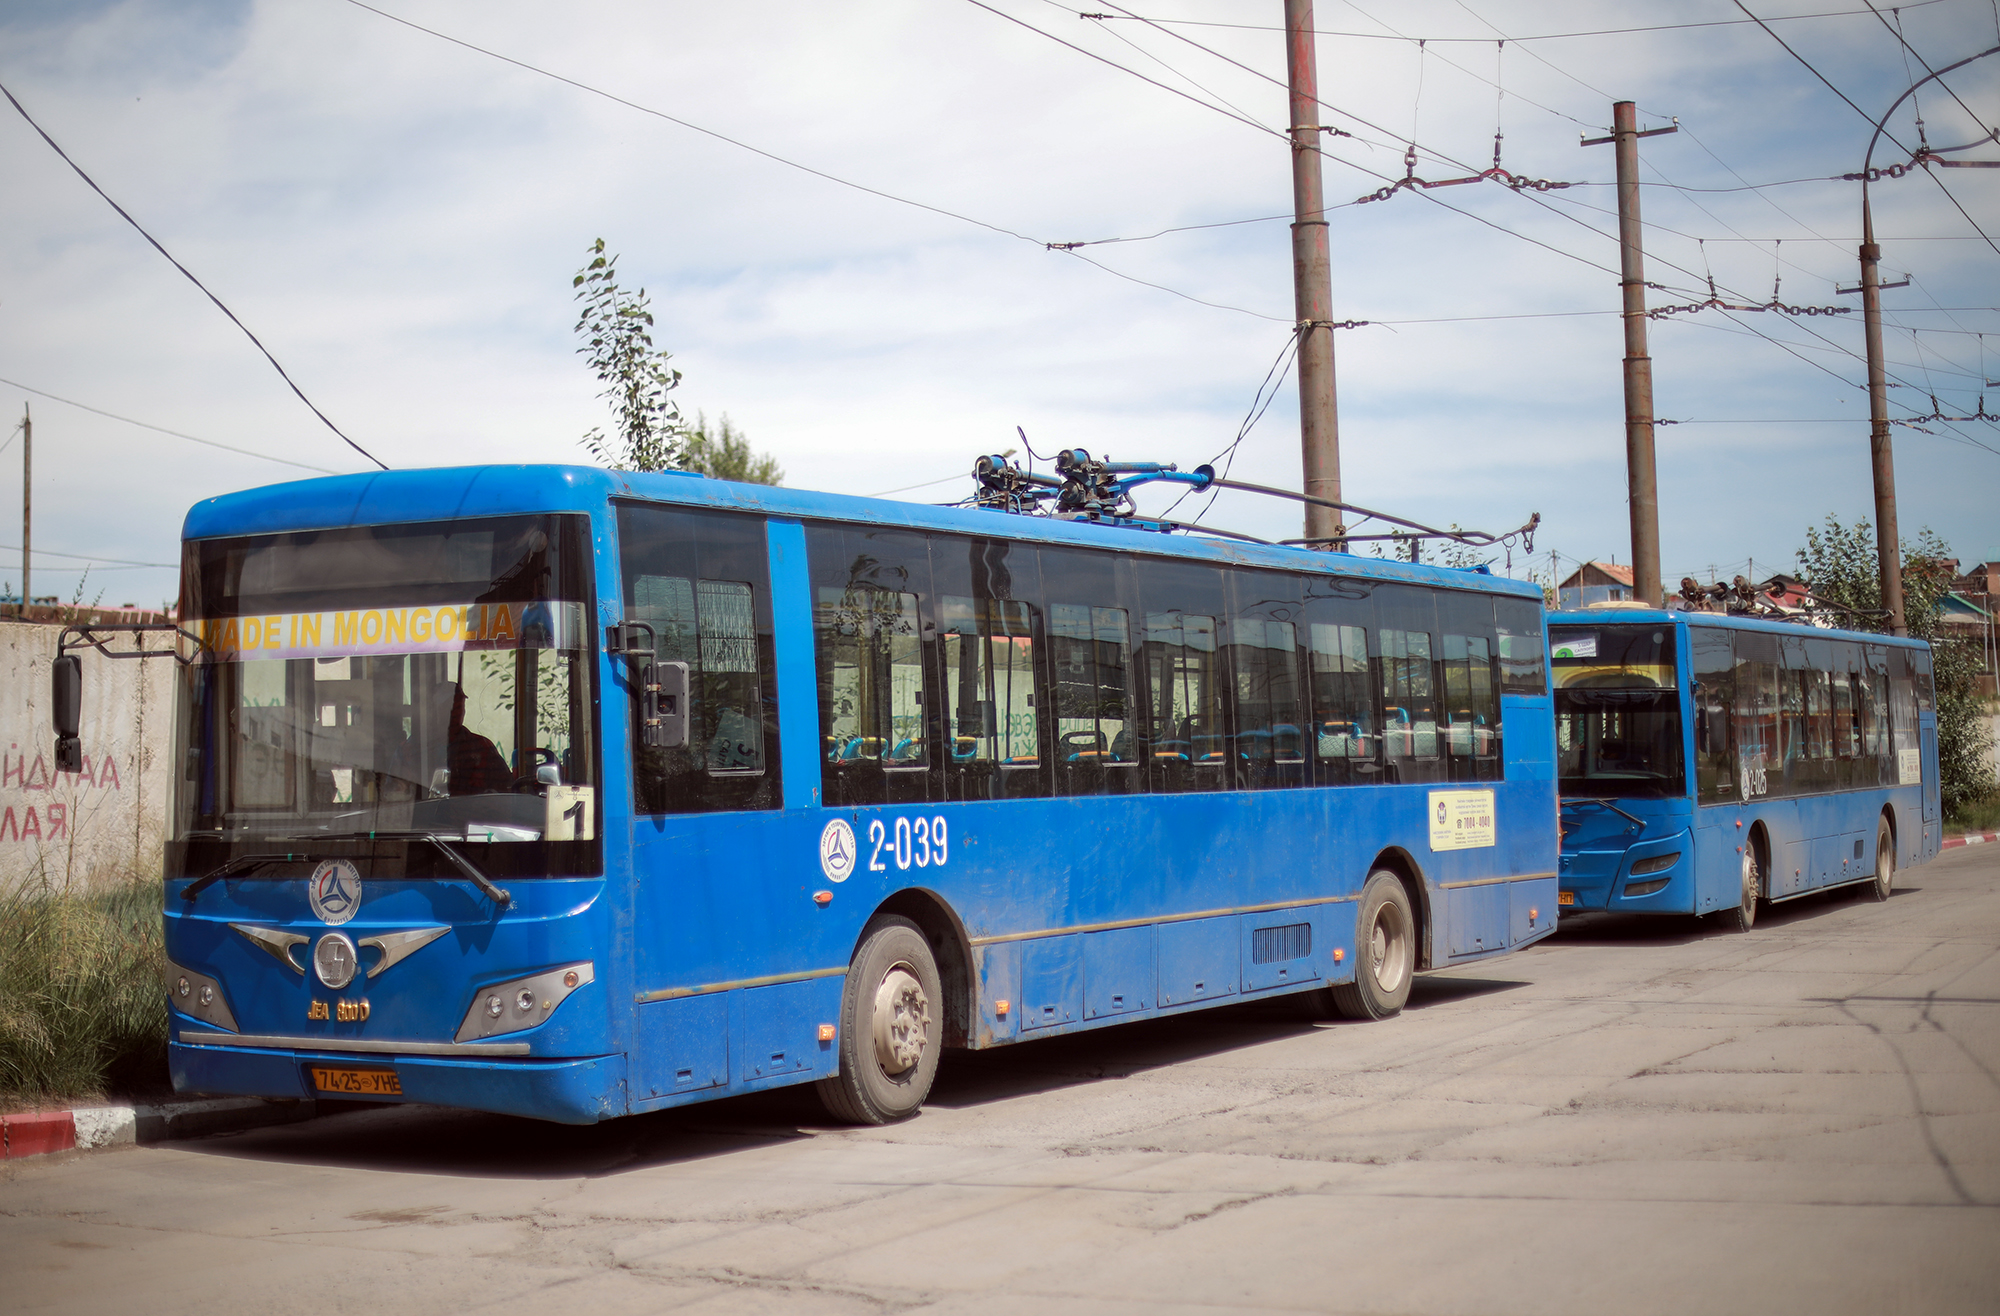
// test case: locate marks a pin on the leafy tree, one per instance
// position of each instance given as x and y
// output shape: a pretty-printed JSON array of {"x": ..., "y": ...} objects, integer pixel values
[
  {"x": 723, "y": 452},
  {"x": 616, "y": 327},
  {"x": 1840, "y": 564}
]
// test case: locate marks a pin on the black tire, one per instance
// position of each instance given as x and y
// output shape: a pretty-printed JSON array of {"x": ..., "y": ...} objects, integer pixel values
[
  {"x": 1744, "y": 916},
  {"x": 1385, "y": 952},
  {"x": 889, "y": 1027},
  {"x": 1885, "y": 861}
]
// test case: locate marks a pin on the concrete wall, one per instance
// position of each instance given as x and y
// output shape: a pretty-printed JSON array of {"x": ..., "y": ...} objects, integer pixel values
[{"x": 102, "y": 826}]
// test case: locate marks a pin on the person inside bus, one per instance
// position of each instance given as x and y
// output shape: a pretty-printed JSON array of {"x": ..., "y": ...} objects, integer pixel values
[{"x": 475, "y": 763}]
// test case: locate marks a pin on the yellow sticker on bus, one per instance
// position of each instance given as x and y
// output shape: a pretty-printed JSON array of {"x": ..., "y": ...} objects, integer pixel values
[{"x": 434, "y": 628}]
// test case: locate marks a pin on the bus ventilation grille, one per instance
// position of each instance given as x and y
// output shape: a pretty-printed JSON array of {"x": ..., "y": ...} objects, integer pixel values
[{"x": 1294, "y": 941}]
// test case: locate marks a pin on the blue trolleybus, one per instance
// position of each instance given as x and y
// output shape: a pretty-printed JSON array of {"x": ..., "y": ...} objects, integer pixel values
[
  {"x": 571, "y": 793},
  {"x": 1711, "y": 763}
]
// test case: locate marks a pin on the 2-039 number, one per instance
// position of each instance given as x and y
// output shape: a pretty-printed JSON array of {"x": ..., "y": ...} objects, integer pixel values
[{"x": 908, "y": 842}]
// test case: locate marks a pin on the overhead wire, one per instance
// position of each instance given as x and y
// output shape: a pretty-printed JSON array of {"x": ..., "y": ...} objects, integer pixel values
[
  {"x": 112, "y": 415},
  {"x": 1546, "y": 36},
  {"x": 189, "y": 275}
]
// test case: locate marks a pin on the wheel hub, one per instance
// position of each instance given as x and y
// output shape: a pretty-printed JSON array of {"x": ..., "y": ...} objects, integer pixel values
[{"x": 902, "y": 1020}]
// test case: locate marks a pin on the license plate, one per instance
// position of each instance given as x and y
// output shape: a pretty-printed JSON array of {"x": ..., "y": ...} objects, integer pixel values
[
  {"x": 358, "y": 1082},
  {"x": 1565, "y": 897}
]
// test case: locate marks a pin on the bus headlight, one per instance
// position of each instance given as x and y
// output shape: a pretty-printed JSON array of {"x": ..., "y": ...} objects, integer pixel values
[
  {"x": 200, "y": 996},
  {"x": 1655, "y": 863},
  {"x": 508, "y": 1007}
]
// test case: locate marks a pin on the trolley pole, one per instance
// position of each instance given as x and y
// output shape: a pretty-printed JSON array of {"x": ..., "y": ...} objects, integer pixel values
[
  {"x": 1312, "y": 285},
  {"x": 1642, "y": 482},
  {"x": 1881, "y": 453}
]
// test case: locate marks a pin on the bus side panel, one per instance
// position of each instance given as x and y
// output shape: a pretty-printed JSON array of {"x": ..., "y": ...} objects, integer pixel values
[
  {"x": 1119, "y": 971},
  {"x": 1199, "y": 960},
  {"x": 774, "y": 1032},
  {"x": 682, "y": 1046},
  {"x": 1717, "y": 857}
]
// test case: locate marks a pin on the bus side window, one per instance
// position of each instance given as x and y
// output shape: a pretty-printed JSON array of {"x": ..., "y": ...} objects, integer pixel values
[
  {"x": 1346, "y": 737},
  {"x": 1186, "y": 747},
  {"x": 701, "y": 581},
  {"x": 1471, "y": 695},
  {"x": 1090, "y": 652},
  {"x": 1268, "y": 745},
  {"x": 1523, "y": 650},
  {"x": 871, "y": 683},
  {"x": 1409, "y": 703},
  {"x": 1713, "y": 659},
  {"x": 1754, "y": 723},
  {"x": 992, "y": 732}
]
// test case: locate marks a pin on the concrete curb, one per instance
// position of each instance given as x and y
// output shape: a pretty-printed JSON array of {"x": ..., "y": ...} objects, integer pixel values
[
  {"x": 37, "y": 1133},
  {"x": 1970, "y": 838}
]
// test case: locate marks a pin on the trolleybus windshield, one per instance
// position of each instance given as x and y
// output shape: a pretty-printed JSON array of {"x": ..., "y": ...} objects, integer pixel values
[
  {"x": 422, "y": 680},
  {"x": 1618, "y": 716}
]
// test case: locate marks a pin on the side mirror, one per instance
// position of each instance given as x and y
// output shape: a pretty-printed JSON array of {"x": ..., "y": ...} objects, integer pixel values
[{"x": 66, "y": 701}]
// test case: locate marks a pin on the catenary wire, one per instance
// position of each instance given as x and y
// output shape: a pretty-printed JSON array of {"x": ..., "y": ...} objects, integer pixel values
[
  {"x": 112, "y": 415},
  {"x": 155, "y": 243}
]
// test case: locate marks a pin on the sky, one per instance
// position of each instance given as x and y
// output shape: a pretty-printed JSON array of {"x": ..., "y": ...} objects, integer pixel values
[{"x": 842, "y": 214}]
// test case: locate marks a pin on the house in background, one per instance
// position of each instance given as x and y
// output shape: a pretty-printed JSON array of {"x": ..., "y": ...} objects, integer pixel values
[{"x": 1595, "y": 582}]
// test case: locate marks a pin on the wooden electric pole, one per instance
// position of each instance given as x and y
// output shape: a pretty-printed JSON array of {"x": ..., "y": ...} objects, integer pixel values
[
  {"x": 27, "y": 502},
  {"x": 1642, "y": 482},
  {"x": 1881, "y": 452},
  {"x": 1312, "y": 284}
]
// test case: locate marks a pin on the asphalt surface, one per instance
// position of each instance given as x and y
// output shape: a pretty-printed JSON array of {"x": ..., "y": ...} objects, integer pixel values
[{"x": 1629, "y": 1118}]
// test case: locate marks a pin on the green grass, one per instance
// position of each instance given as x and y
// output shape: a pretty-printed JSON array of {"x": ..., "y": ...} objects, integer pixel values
[
  {"x": 82, "y": 1010},
  {"x": 1979, "y": 816}
]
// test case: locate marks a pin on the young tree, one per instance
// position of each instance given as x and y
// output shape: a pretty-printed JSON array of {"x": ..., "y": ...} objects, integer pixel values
[
  {"x": 1840, "y": 565},
  {"x": 723, "y": 453},
  {"x": 616, "y": 327}
]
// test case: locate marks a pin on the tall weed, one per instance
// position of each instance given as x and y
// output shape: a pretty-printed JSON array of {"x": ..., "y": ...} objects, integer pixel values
[{"x": 82, "y": 1009}]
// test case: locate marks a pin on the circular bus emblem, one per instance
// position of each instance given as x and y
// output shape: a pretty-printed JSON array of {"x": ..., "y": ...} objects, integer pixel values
[
  {"x": 836, "y": 850},
  {"x": 334, "y": 891},
  {"x": 334, "y": 960}
]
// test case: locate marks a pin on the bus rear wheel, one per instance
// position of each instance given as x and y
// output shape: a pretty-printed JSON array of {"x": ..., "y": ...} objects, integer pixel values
[
  {"x": 1744, "y": 916},
  {"x": 1885, "y": 860},
  {"x": 1385, "y": 952},
  {"x": 889, "y": 1027}
]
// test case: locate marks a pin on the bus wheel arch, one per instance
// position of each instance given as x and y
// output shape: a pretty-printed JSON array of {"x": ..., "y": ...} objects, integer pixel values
[
  {"x": 1397, "y": 860},
  {"x": 950, "y": 946}
]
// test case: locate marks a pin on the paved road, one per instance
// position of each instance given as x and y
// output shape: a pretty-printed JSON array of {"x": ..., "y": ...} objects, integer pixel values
[{"x": 1629, "y": 1119}]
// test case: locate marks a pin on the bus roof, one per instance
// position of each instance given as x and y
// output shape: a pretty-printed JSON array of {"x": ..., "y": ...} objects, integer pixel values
[
  {"x": 457, "y": 492},
  {"x": 1641, "y": 616}
]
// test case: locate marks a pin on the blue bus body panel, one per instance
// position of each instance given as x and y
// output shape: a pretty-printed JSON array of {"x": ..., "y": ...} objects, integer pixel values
[
  {"x": 719, "y": 944},
  {"x": 1815, "y": 841}
]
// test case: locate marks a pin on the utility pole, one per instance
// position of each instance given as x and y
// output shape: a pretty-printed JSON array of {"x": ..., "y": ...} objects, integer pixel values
[
  {"x": 1642, "y": 482},
  {"x": 27, "y": 501},
  {"x": 1312, "y": 284},
  {"x": 1881, "y": 454},
  {"x": 1888, "y": 547}
]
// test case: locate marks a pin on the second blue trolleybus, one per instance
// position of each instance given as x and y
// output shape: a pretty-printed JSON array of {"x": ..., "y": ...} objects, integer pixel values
[
  {"x": 1711, "y": 764},
  {"x": 572, "y": 793}
]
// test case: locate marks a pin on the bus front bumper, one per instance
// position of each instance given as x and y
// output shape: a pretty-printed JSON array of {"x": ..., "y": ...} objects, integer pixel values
[{"x": 580, "y": 1090}]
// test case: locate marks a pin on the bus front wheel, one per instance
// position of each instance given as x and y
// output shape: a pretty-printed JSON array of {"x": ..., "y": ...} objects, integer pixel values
[
  {"x": 1385, "y": 952},
  {"x": 1744, "y": 916},
  {"x": 1885, "y": 859},
  {"x": 889, "y": 1028}
]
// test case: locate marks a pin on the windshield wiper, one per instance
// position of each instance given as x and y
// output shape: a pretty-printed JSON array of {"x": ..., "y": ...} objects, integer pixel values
[
  {"x": 499, "y": 895},
  {"x": 1640, "y": 823},
  {"x": 230, "y": 867}
]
